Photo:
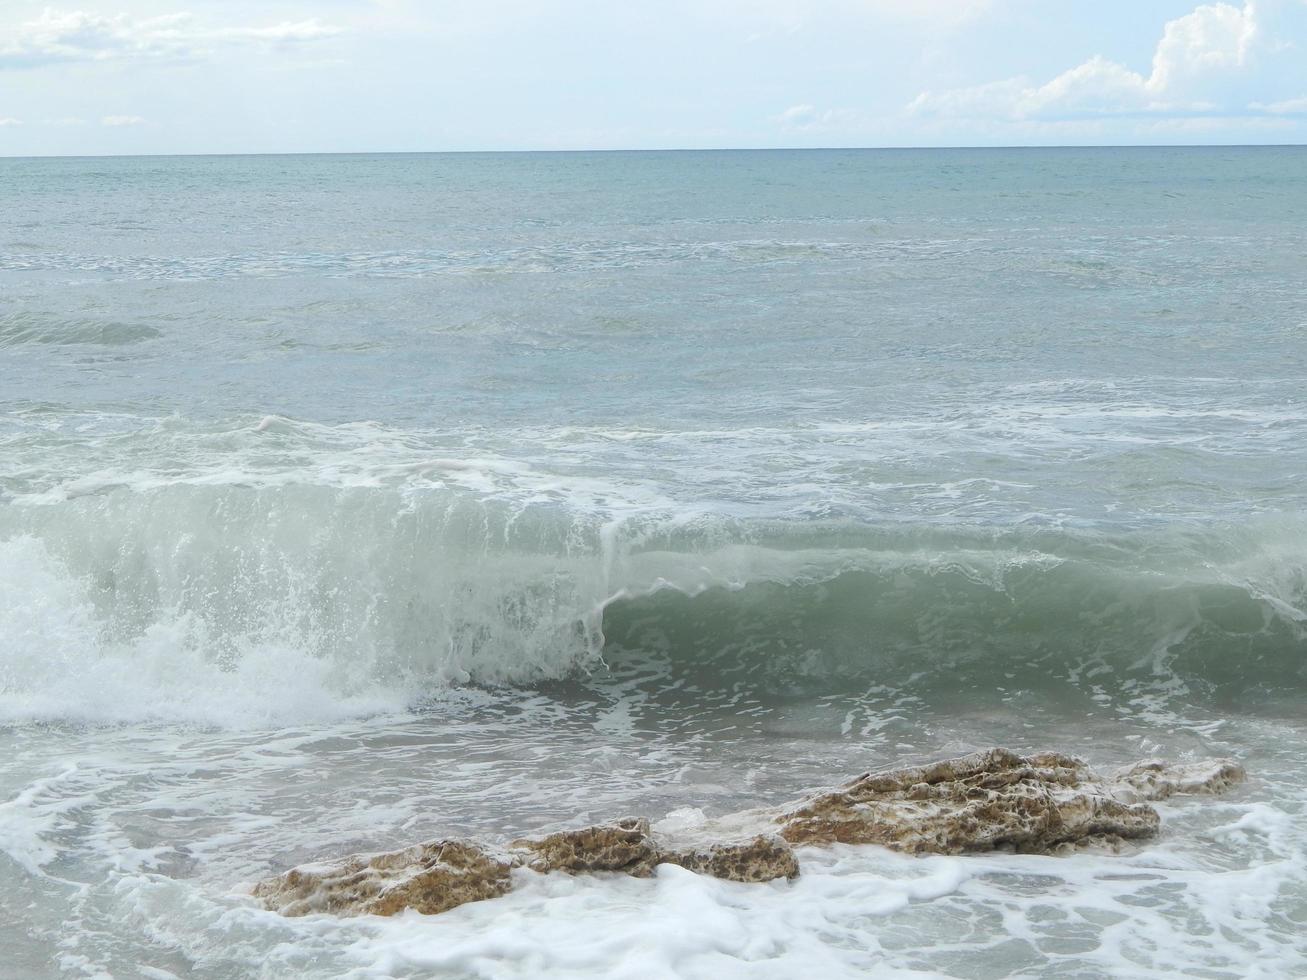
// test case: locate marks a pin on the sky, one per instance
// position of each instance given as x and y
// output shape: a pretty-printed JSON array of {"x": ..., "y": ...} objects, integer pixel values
[{"x": 240, "y": 76}]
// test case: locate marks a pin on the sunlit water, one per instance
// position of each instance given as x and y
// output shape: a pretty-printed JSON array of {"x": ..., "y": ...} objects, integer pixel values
[{"x": 351, "y": 501}]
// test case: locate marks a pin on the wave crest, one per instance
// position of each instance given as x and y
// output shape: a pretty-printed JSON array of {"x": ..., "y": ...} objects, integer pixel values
[{"x": 247, "y": 606}]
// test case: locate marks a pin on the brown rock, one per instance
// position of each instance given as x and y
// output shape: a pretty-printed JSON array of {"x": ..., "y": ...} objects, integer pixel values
[
  {"x": 995, "y": 799},
  {"x": 624, "y": 845},
  {"x": 628, "y": 846},
  {"x": 1045, "y": 803},
  {"x": 761, "y": 858},
  {"x": 430, "y": 878},
  {"x": 1154, "y": 779}
]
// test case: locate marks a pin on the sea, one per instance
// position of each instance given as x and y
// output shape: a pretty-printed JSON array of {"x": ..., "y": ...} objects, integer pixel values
[{"x": 353, "y": 501}]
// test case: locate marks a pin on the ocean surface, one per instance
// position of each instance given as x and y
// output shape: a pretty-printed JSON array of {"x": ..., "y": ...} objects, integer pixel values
[{"x": 351, "y": 501}]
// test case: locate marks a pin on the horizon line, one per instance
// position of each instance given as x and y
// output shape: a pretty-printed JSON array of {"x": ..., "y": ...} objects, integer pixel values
[{"x": 667, "y": 149}]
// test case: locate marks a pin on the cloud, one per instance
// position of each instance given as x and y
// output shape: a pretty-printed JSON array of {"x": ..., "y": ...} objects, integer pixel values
[
  {"x": 807, "y": 117},
  {"x": 9, "y": 121},
  {"x": 1205, "y": 63},
  {"x": 798, "y": 115},
  {"x": 287, "y": 33},
  {"x": 122, "y": 121},
  {"x": 1286, "y": 107},
  {"x": 60, "y": 37}
]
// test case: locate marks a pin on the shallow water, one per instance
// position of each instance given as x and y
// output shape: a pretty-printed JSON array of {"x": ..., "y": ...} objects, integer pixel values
[{"x": 350, "y": 501}]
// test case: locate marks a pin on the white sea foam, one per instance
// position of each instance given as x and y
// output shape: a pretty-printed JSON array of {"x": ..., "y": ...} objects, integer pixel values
[
  {"x": 58, "y": 664},
  {"x": 853, "y": 912}
]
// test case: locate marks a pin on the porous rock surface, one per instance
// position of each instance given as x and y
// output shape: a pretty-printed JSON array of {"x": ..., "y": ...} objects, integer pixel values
[
  {"x": 629, "y": 846},
  {"x": 977, "y": 802},
  {"x": 624, "y": 845},
  {"x": 430, "y": 878},
  {"x": 1040, "y": 803}
]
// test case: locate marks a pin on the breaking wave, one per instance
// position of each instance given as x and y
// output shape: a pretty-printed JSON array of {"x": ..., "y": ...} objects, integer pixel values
[{"x": 249, "y": 606}]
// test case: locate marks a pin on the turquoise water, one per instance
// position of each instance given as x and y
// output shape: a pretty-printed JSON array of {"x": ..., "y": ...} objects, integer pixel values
[{"x": 505, "y": 490}]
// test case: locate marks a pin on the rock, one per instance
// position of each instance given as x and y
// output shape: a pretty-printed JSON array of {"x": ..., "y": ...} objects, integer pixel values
[
  {"x": 1045, "y": 803},
  {"x": 624, "y": 845},
  {"x": 978, "y": 802},
  {"x": 1154, "y": 779},
  {"x": 761, "y": 858},
  {"x": 442, "y": 875},
  {"x": 628, "y": 846},
  {"x": 429, "y": 878}
]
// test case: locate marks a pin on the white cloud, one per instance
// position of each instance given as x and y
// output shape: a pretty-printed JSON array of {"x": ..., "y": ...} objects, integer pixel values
[
  {"x": 286, "y": 33},
  {"x": 1201, "y": 64},
  {"x": 807, "y": 117},
  {"x": 122, "y": 121},
  {"x": 1214, "y": 38},
  {"x": 798, "y": 115},
  {"x": 1286, "y": 107},
  {"x": 9, "y": 121},
  {"x": 58, "y": 37}
]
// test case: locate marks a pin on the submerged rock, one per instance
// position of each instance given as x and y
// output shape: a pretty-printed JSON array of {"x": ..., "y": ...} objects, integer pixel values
[
  {"x": 1042, "y": 803},
  {"x": 1154, "y": 779}
]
